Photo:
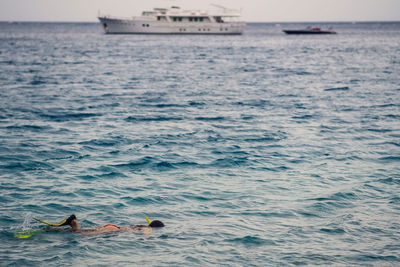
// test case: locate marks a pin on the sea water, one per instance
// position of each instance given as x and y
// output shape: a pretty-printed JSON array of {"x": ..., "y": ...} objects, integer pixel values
[{"x": 254, "y": 150}]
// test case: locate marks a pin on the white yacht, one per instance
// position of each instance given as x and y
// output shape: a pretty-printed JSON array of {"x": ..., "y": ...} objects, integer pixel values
[{"x": 176, "y": 21}]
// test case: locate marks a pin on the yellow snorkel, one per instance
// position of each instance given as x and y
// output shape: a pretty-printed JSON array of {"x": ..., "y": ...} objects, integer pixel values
[
  {"x": 63, "y": 222},
  {"x": 52, "y": 224},
  {"x": 147, "y": 219}
]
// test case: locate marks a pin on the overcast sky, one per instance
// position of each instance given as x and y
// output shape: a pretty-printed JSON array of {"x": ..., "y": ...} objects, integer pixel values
[{"x": 252, "y": 10}]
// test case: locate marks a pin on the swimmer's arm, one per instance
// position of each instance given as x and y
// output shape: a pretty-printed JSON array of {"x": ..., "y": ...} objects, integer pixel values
[
  {"x": 147, "y": 230},
  {"x": 87, "y": 230},
  {"x": 137, "y": 228},
  {"x": 53, "y": 229}
]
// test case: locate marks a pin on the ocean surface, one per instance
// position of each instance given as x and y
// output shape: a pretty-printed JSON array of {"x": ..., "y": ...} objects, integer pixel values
[{"x": 256, "y": 150}]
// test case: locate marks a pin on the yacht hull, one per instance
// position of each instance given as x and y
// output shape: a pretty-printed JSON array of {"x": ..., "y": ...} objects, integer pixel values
[{"x": 135, "y": 26}]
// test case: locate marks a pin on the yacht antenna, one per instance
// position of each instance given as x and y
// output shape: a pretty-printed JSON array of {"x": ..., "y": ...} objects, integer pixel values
[
  {"x": 225, "y": 9},
  {"x": 222, "y": 7}
]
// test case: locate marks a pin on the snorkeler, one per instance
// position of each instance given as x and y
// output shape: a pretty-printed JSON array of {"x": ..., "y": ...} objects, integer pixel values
[{"x": 73, "y": 223}]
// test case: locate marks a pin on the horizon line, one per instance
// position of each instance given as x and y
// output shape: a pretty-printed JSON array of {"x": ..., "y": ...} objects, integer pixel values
[{"x": 294, "y": 21}]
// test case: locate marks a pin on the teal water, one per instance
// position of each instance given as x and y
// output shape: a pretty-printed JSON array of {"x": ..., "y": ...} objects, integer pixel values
[{"x": 254, "y": 150}]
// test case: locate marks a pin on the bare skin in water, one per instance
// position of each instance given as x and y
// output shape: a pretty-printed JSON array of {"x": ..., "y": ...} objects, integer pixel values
[{"x": 107, "y": 228}]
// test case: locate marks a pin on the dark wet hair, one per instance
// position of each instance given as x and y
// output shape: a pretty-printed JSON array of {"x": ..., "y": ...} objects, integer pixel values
[
  {"x": 156, "y": 223},
  {"x": 69, "y": 220}
]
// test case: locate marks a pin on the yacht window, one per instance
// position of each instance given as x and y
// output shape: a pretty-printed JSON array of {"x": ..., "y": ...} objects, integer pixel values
[{"x": 201, "y": 19}]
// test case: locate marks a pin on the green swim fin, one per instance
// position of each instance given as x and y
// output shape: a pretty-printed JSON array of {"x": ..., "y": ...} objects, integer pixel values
[{"x": 26, "y": 233}]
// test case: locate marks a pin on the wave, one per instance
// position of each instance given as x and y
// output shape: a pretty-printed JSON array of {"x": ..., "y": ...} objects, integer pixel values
[
  {"x": 251, "y": 241},
  {"x": 151, "y": 163},
  {"x": 254, "y": 103},
  {"x": 133, "y": 201},
  {"x": 335, "y": 231},
  {"x": 283, "y": 214},
  {"x": 229, "y": 162},
  {"x": 272, "y": 137},
  {"x": 152, "y": 119},
  {"x": 303, "y": 117},
  {"x": 216, "y": 118},
  {"x": 27, "y": 166},
  {"x": 344, "y": 88},
  {"x": 61, "y": 117},
  {"x": 103, "y": 142},
  {"x": 196, "y": 103},
  {"x": 28, "y": 127},
  {"x": 163, "y": 105},
  {"x": 390, "y": 158},
  {"x": 338, "y": 196}
]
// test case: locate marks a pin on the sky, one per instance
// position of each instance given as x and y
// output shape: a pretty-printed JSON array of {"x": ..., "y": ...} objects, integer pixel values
[{"x": 252, "y": 10}]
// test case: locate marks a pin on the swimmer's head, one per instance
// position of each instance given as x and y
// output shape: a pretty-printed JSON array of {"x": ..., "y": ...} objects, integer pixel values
[
  {"x": 156, "y": 223},
  {"x": 69, "y": 220}
]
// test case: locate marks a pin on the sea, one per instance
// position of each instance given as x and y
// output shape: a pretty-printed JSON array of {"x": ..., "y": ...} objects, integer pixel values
[{"x": 261, "y": 149}]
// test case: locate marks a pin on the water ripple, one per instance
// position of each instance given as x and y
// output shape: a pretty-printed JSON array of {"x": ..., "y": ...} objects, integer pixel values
[{"x": 254, "y": 150}]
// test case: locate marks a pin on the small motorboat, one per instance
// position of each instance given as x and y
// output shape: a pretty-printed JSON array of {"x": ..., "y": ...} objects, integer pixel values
[{"x": 310, "y": 30}]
